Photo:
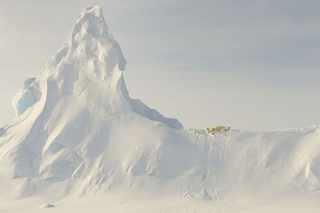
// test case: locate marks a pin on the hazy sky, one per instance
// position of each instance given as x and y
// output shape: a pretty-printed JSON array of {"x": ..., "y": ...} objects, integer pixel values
[{"x": 245, "y": 63}]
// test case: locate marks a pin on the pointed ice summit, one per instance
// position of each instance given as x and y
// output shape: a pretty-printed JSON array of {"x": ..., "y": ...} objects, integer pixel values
[
  {"x": 88, "y": 69},
  {"x": 79, "y": 113}
]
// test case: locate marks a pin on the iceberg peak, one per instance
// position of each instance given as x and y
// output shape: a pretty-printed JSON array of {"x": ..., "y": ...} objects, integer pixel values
[
  {"x": 95, "y": 10},
  {"x": 91, "y": 22},
  {"x": 91, "y": 50}
]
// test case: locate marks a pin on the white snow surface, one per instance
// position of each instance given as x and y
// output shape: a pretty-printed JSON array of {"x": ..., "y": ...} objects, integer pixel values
[{"x": 78, "y": 132}]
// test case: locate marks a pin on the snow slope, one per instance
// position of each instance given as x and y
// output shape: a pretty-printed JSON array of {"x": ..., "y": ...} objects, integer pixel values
[{"x": 78, "y": 132}]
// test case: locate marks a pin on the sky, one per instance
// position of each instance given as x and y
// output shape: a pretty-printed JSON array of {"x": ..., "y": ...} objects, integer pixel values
[{"x": 250, "y": 64}]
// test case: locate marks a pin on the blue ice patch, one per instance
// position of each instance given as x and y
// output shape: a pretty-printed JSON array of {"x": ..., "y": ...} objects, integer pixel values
[
  {"x": 25, "y": 101},
  {"x": 28, "y": 96}
]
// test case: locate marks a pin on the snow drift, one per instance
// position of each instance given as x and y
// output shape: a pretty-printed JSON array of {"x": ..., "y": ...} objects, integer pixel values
[{"x": 78, "y": 131}]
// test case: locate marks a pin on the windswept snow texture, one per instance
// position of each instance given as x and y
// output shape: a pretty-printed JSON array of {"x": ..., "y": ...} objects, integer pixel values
[{"x": 79, "y": 132}]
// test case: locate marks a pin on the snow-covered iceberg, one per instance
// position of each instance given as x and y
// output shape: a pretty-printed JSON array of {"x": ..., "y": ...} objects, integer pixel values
[{"x": 79, "y": 131}]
